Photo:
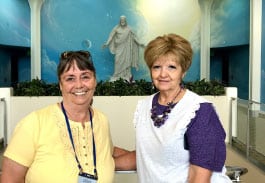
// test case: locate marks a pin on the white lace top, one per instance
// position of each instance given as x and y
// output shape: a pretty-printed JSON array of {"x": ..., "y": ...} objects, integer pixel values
[{"x": 161, "y": 157}]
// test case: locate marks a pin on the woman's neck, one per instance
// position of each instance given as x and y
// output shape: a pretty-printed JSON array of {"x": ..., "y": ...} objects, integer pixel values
[
  {"x": 77, "y": 113},
  {"x": 172, "y": 97}
]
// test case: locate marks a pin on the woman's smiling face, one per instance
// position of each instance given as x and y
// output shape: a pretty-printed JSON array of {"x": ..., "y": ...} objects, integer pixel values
[
  {"x": 166, "y": 73},
  {"x": 77, "y": 86}
]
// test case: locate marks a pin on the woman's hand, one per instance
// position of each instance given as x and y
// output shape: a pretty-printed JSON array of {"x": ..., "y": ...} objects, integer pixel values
[{"x": 124, "y": 159}]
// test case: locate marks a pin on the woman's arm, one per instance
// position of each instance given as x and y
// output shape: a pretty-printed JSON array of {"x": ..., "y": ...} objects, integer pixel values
[
  {"x": 206, "y": 141},
  {"x": 124, "y": 159},
  {"x": 13, "y": 172},
  {"x": 198, "y": 174}
]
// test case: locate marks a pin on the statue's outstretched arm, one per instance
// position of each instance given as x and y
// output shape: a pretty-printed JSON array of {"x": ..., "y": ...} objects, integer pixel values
[{"x": 111, "y": 36}]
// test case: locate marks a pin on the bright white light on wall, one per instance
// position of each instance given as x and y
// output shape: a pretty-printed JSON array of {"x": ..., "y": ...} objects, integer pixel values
[{"x": 164, "y": 16}]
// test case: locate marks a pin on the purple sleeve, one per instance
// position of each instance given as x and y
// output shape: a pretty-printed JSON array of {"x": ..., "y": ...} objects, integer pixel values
[{"x": 206, "y": 139}]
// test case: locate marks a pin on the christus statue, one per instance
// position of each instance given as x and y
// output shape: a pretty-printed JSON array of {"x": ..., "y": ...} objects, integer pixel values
[{"x": 123, "y": 43}]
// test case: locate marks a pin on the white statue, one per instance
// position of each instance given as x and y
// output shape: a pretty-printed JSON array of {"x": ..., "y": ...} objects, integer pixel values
[{"x": 123, "y": 43}]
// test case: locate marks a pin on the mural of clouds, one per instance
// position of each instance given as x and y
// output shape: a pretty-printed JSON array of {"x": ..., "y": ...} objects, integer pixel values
[
  {"x": 14, "y": 28},
  {"x": 226, "y": 28},
  {"x": 50, "y": 68},
  {"x": 92, "y": 22},
  {"x": 165, "y": 16},
  {"x": 67, "y": 25}
]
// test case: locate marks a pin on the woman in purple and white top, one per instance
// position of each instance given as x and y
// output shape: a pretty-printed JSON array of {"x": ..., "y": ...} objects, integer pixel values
[{"x": 179, "y": 137}]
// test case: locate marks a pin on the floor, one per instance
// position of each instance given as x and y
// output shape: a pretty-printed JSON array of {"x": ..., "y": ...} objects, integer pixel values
[
  {"x": 1, "y": 154},
  {"x": 1, "y": 157},
  {"x": 255, "y": 157}
]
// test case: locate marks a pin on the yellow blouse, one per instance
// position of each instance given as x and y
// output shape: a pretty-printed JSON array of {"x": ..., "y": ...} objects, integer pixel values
[{"x": 41, "y": 142}]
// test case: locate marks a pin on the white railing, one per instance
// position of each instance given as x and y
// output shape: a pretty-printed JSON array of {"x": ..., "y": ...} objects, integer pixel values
[
  {"x": 250, "y": 131},
  {"x": 3, "y": 121}
]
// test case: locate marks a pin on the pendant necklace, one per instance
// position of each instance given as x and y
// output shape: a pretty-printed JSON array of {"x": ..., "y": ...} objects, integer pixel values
[{"x": 160, "y": 119}]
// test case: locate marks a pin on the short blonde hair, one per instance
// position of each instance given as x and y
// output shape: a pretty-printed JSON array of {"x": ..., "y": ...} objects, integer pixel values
[{"x": 169, "y": 44}]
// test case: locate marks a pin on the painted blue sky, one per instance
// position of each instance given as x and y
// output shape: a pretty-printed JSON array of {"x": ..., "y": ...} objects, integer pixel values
[
  {"x": 86, "y": 25},
  {"x": 229, "y": 23},
  {"x": 67, "y": 25},
  {"x": 15, "y": 23}
]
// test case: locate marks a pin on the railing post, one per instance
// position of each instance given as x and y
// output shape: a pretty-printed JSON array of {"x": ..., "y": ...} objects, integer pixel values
[
  {"x": 5, "y": 122},
  {"x": 232, "y": 119},
  {"x": 231, "y": 93}
]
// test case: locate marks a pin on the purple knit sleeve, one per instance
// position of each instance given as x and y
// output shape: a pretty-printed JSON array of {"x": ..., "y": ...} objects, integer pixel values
[{"x": 206, "y": 139}]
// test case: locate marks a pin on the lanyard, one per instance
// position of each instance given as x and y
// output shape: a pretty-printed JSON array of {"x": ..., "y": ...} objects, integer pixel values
[{"x": 72, "y": 141}]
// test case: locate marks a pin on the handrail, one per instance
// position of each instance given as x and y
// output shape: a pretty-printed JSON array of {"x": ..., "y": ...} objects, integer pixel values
[
  {"x": 230, "y": 135},
  {"x": 5, "y": 122},
  {"x": 250, "y": 119}
]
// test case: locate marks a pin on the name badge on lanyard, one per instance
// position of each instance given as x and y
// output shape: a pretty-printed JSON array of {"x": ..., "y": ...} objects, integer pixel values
[
  {"x": 83, "y": 177},
  {"x": 86, "y": 178}
]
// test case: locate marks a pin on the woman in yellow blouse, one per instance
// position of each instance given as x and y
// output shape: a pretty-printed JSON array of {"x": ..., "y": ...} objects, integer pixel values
[{"x": 67, "y": 142}]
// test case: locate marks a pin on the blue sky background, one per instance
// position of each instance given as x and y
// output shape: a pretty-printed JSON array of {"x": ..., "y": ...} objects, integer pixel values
[
  {"x": 67, "y": 25},
  {"x": 15, "y": 23},
  {"x": 86, "y": 24},
  {"x": 229, "y": 23}
]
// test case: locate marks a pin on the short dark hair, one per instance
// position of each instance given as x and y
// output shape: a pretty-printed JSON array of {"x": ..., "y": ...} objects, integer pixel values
[{"x": 82, "y": 59}]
